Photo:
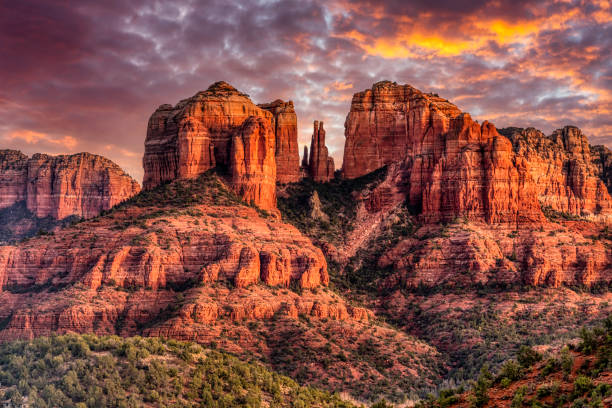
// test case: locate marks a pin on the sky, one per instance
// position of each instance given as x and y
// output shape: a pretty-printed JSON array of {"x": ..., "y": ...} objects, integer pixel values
[{"x": 86, "y": 75}]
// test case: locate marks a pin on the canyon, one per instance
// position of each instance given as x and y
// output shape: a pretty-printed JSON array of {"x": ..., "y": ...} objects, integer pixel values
[{"x": 350, "y": 280}]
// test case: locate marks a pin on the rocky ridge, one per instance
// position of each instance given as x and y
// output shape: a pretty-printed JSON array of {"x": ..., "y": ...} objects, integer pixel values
[
  {"x": 451, "y": 166},
  {"x": 42, "y": 192}
]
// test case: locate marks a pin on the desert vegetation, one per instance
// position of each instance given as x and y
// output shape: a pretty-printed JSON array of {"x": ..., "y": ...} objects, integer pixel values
[{"x": 91, "y": 371}]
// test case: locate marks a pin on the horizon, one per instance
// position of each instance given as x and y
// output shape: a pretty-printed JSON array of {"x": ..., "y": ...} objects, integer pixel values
[{"x": 87, "y": 77}]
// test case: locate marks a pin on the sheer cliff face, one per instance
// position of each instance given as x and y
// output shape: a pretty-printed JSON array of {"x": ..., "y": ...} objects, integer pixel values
[
  {"x": 389, "y": 122},
  {"x": 451, "y": 166},
  {"x": 13, "y": 177},
  {"x": 60, "y": 186},
  {"x": 199, "y": 133},
  {"x": 601, "y": 158},
  {"x": 195, "y": 135},
  {"x": 252, "y": 163},
  {"x": 286, "y": 149},
  {"x": 567, "y": 177}
]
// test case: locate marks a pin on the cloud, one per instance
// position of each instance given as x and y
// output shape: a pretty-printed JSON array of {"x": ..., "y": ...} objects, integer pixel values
[
  {"x": 97, "y": 70},
  {"x": 36, "y": 138}
]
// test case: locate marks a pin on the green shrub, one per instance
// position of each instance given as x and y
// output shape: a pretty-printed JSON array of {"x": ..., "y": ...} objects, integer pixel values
[
  {"x": 518, "y": 397},
  {"x": 382, "y": 404},
  {"x": 567, "y": 361},
  {"x": 481, "y": 388},
  {"x": 510, "y": 371},
  {"x": 528, "y": 356},
  {"x": 582, "y": 385}
]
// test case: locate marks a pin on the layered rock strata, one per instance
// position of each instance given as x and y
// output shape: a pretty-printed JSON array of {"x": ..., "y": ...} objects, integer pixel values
[
  {"x": 451, "y": 166},
  {"x": 562, "y": 168},
  {"x": 286, "y": 146},
  {"x": 153, "y": 246},
  {"x": 81, "y": 184}
]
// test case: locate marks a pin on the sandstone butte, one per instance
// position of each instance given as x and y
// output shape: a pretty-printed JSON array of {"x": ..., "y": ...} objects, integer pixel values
[
  {"x": 516, "y": 207},
  {"x": 222, "y": 128},
  {"x": 451, "y": 166},
  {"x": 81, "y": 184}
]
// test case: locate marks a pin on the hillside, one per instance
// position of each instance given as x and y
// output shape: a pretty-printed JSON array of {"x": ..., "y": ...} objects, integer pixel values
[
  {"x": 471, "y": 316},
  {"x": 577, "y": 376},
  {"x": 191, "y": 261},
  {"x": 91, "y": 371}
]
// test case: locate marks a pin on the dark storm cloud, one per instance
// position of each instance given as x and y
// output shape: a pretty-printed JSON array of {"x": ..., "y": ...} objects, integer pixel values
[{"x": 86, "y": 75}]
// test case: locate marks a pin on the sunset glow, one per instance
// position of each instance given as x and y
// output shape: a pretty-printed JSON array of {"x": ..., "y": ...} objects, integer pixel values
[{"x": 88, "y": 77}]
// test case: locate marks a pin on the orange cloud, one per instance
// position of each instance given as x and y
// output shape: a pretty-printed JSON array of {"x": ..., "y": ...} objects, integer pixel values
[
  {"x": 423, "y": 36},
  {"x": 31, "y": 137},
  {"x": 124, "y": 152}
]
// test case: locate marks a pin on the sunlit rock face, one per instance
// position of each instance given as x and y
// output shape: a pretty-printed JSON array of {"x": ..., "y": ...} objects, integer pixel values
[
  {"x": 81, "y": 184},
  {"x": 567, "y": 177},
  {"x": 320, "y": 164},
  {"x": 389, "y": 122},
  {"x": 452, "y": 166},
  {"x": 286, "y": 145},
  {"x": 252, "y": 163},
  {"x": 195, "y": 135},
  {"x": 210, "y": 130}
]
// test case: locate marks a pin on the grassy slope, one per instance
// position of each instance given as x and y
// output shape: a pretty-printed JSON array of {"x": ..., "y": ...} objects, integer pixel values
[
  {"x": 578, "y": 376},
  {"x": 90, "y": 371}
]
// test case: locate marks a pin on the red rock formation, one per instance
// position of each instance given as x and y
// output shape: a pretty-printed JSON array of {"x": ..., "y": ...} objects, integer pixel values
[
  {"x": 285, "y": 131},
  {"x": 562, "y": 168},
  {"x": 602, "y": 159},
  {"x": 13, "y": 177},
  {"x": 59, "y": 186},
  {"x": 320, "y": 164},
  {"x": 390, "y": 122},
  {"x": 453, "y": 167},
  {"x": 195, "y": 135},
  {"x": 200, "y": 133},
  {"x": 252, "y": 163}
]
